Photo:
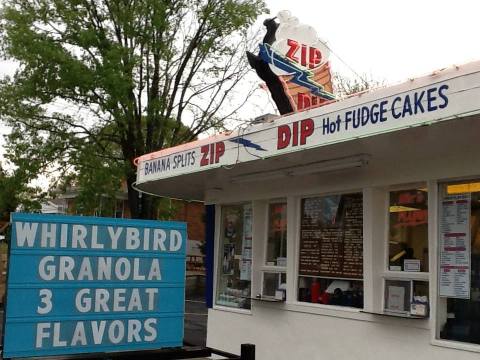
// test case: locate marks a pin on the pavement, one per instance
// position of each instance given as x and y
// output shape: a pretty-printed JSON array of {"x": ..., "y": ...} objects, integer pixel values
[{"x": 195, "y": 325}]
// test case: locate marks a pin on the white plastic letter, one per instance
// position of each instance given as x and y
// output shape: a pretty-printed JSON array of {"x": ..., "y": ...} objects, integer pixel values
[
  {"x": 48, "y": 235},
  {"x": 26, "y": 233},
  {"x": 119, "y": 299},
  {"x": 46, "y": 299},
  {"x": 151, "y": 329},
  {"x": 56, "y": 336},
  {"x": 104, "y": 268},
  {"x": 154, "y": 273},
  {"x": 120, "y": 332},
  {"x": 46, "y": 272},
  {"x": 98, "y": 329},
  {"x": 79, "y": 335},
  {"x": 125, "y": 274},
  {"x": 95, "y": 244},
  {"x": 42, "y": 334},
  {"x": 136, "y": 269},
  {"x": 65, "y": 268},
  {"x": 79, "y": 233},
  {"x": 101, "y": 298},
  {"x": 133, "y": 332},
  {"x": 114, "y": 235},
  {"x": 63, "y": 235},
  {"x": 135, "y": 302},
  {"x": 151, "y": 298},
  {"x": 83, "y": 301},
  {"x": 146, "y": 239},
  {"x": 85, "y": 270},
  {"x": 133, "y": 238},
  {"x": 159, "y": 237},
  {"x": 175, "y": 240}
]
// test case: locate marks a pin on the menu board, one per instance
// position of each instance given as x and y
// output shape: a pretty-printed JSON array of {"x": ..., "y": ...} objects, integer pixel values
[
  {"x": 246, "y": 262},
  {"x": 331, "y": 236},
  {"x": 455, "y": 254}
]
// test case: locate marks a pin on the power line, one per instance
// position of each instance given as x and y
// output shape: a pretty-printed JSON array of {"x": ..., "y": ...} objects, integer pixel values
[{"x": 347, "y": 65}]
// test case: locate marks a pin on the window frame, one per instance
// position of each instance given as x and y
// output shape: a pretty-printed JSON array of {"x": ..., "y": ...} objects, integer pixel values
[
  {"x": 264, "y": 268},
  {"x": 397, "y": 274},
  {"x": 267, "y": 226},
  {"x": 296, "y": 275},
  {"x": 436, "y": 301},
  {"x": 217, "y": 262},
  {"x": 278, "y": 272}
]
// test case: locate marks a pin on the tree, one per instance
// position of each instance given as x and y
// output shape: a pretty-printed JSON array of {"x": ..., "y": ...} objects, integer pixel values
[
  {"x": 345, "y": 86},
  {"x": 101, "y": 82},
  {"x": 15, "y": 193}
]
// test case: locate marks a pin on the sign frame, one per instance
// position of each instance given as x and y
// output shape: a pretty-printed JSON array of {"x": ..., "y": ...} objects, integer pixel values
[{"x": 147, "y": 306}]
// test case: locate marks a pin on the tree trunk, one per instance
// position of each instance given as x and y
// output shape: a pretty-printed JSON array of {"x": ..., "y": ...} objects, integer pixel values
[
  {"x": 141, "y": 205},
  {"x": 133, "y": 197}
]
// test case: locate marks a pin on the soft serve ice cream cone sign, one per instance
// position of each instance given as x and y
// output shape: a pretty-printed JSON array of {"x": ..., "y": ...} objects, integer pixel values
[
  {"x": 298, "y": 43},
  {"x": 299, "y": 59}
]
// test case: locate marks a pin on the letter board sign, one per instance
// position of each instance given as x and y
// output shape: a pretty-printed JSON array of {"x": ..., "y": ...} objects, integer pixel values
[{"x": 85, "y": 284}]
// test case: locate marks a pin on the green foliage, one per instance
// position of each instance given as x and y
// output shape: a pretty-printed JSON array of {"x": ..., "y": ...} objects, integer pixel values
[
  {"x": 15, "y": 194},
  {"x": 101, "y": 82}
]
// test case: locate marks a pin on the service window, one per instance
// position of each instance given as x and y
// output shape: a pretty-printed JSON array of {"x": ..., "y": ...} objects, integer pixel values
[
  {"x": 274, "y": 278},
  {"x": 235, "y": 257},
  {"x": 406, "y": 297},
  {"x": 459, "y": 262},
  {"x": 274, "y": 285},
  {"x": 331, "y": 250},
  {"x": 276, "y": 254},
  {"x": 408, "y": 230}
]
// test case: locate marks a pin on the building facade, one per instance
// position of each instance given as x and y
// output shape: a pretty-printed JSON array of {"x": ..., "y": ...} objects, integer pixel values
[{"x": 347, "y": 231}]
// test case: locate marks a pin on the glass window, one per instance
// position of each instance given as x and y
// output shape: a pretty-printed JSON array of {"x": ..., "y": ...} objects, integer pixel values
[
  {"x": 331, "y": 250},
  {"x": 235, "y": 256},
  {"x": 459, "y": 262},
  {"x": 406, "y": 297},
  {"x": 274, "y": 284},
  {"x": 277, "y": 234},
  {"x": 408, "y": 230},
  {"x": 397, "y": 296}
]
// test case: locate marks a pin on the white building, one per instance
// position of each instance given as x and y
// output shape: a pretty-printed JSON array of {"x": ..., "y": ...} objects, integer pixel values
[{"x": 372, "y": 229}]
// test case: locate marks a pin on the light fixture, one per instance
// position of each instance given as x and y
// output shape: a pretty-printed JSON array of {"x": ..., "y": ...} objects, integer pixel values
[
  {"x": 305, "y": 169},
  {"x": 463, "y": 188},
  {"x": 401, "y": 208}
]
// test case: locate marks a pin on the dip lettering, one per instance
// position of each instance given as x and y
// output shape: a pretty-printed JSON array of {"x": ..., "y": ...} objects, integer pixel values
[{"x": 290, "y": 134}]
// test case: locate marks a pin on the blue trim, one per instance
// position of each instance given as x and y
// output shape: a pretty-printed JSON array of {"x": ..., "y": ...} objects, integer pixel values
[
  {"x": 210, "y": 252},
  {"x": 301, "y": 76}
]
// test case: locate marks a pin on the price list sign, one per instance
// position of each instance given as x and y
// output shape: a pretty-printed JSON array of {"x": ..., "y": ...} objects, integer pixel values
[
  {"x": 331, "y": 236},
  {"x": 454, "y": 275},
  {"x": 85, "y": 284}
]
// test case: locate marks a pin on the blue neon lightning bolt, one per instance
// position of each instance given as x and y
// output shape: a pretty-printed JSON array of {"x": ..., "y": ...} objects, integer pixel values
[
  {"x": 301, "y": 76},
  {"x": 247, "y": 143}
]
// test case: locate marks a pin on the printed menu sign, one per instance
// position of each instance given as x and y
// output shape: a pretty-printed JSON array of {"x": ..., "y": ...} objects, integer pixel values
[
  {"x": 246, "y": 264},
  {"x": 331, "y": 236},
  {"x": 454, "y": 278}
]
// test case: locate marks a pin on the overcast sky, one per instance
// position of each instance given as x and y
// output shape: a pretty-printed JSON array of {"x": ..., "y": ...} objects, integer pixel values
[{"x": 393, "y": 40}]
